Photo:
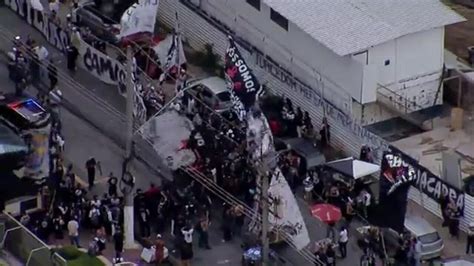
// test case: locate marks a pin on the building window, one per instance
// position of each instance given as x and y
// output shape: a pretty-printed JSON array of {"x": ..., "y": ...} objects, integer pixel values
[
  {"x": 387, "y": 62},
  {"x": 279, "y": 19},
  {"x": 254, "y": 3}
]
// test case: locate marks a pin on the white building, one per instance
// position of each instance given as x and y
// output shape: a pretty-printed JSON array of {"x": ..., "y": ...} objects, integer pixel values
[{"x": 376, "y": 58}]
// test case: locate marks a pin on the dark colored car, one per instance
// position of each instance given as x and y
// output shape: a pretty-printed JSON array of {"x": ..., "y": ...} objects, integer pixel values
[
  {"x": 23, "y": 113},
  {"x": 104, "y": 28}
]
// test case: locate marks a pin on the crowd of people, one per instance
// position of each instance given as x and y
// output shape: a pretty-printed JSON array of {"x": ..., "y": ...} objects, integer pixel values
[{"x": 219, "y": 142}]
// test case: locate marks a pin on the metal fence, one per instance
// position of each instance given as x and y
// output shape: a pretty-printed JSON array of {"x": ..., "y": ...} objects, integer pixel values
[{"x": 26, "y": 246}]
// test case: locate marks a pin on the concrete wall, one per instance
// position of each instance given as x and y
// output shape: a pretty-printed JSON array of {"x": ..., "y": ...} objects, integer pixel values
[
  {"x": 414, "y": 67},
  {"x": 297, "y": 51}
]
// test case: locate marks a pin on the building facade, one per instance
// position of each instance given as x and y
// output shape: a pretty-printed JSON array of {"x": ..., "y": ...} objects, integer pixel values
[{"x": 374, "y": 61}]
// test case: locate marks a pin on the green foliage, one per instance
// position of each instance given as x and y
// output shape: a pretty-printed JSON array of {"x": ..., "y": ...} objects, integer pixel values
[
  {"x": 76, "y": 257},
  {"x": 69, "y": 252},
  {"x": 85, "y": 259},
  {"x": 207, "y": 59}
]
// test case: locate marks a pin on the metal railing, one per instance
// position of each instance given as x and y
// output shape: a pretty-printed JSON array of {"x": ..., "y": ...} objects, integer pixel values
[
  {"x": 396, "y": 101},
  {"x": 26, "y": 246}
]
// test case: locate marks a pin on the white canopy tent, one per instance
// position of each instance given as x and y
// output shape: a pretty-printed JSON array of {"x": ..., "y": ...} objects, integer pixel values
[{"x": 353, "y": 167}]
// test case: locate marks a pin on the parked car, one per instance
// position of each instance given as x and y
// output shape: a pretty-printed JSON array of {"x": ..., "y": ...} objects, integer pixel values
[
  {"x": 431, "y": 243},
  {"x": 100, "y": 25},
  {"x": 214, "y": 93}
]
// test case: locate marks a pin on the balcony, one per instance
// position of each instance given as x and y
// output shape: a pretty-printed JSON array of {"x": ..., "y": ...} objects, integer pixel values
[{"x": 406, "y": 109}]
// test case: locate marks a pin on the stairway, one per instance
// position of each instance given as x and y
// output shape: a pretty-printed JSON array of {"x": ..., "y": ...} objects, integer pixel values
[{"x": 406, "y": 109}]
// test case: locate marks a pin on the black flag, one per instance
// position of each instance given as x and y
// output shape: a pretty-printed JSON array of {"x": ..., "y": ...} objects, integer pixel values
[{"x": 241, "y": 81}]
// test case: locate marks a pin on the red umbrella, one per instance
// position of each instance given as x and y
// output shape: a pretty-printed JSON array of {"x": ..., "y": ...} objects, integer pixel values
[{"x": 327, "y": 213}]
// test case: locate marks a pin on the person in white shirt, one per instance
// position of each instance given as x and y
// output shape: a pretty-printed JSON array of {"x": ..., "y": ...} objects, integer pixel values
[
  {"x": 364, "y": 202},
  {"x": 343, "y": 239},
  {"x": 54, "y": 6},
  {"x": 73, "y": 231},
  {"x": 187, "y": 234},
  {"x": 95, "y": 202}
]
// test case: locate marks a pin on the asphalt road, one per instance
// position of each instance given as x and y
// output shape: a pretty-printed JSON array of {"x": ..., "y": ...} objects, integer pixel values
[{"x": 93, "y": 126}]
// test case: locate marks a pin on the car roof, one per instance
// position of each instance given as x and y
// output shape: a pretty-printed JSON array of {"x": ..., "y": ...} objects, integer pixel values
[
  {"x": 215, "y": 84},
  {"x": 418, "y": 225}
]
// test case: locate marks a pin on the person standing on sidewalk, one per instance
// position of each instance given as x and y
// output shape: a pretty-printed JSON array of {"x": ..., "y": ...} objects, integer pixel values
[
  {"x": 417, "y": 252},
  {"x": 343, "y": 239},
  {"x": 52, "y": 74},
  {"x": 203, "y": 232},
  {"x": 91, "y": 164},
  {"x": 113, "y": 181},
  {"x": 73, "y": 231},
  {"x": 470, "y": 239},
  {"x": 118, "y": 245},
  {"x": 71, "y": 56}
]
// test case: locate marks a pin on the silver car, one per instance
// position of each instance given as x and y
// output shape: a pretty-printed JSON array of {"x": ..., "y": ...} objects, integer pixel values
[
  {"x": 214, "y": 93},
  {"x": 431, "y": 243}
]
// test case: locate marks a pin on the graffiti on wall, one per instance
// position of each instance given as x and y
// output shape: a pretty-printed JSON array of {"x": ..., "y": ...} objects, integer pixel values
[{"x": 313, "y": 97}]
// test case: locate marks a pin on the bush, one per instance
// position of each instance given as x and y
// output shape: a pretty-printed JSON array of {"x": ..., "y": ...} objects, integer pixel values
[
  {"x": 207, "y": 59},
  {"x": 76, "y": 257},
  {"x": 69, "y": 252}
]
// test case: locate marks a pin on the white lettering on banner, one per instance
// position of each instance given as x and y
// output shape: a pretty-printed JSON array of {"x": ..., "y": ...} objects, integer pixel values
[
  {"x": 100, "y": 65},
  {"x": 56, "y": 36},
  {"x": 431, "y": 185},
  {"x": 243, "y": 70},
  {"x": 436, "y": 188}
]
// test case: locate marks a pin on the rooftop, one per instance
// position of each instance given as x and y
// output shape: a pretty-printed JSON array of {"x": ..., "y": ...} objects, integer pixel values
[{"x": 351, "y": 26}]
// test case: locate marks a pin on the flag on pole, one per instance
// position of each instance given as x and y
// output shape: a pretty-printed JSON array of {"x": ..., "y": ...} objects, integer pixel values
[
  {"x": 139, "y": 108},
  {"x": 139, "y": 18},
  {"x": 241, "y": 82},
  {"x": 175, "y": 56}
]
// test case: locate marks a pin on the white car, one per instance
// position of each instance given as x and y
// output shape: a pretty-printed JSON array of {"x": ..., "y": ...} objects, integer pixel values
[{"x": 214, "y": 93}]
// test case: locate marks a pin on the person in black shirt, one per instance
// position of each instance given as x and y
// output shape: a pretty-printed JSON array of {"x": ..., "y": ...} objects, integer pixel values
[
  {"x": 112, "y": 185},
  {"x": 325, "y": 133},
  {"x": 71, "y": 54},
  {"x": 91, "y": 164},
  {"x": 118, "y": 244},
  {"x": 53, "y": 74}
]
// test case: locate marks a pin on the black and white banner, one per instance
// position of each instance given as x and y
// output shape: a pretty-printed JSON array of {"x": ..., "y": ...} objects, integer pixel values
[
  {"x": 100, "y": 65},
  {"x": 242, "y": 83},
  {"x": 424, "y": 180},
  {"x": 55, "y": 35}
]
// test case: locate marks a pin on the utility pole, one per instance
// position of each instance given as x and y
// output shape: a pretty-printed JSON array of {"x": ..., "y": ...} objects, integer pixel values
[
  {"x": 265, "y": 216},
  {"x": 127, "y": 178}
]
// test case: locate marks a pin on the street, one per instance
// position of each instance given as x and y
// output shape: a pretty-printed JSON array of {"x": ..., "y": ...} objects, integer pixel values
[{"x": 93, "y": 123}]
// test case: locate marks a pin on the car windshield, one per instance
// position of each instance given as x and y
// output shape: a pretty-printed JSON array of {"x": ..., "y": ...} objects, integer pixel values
[
  {"x": 224, "y": 96},
  {"x": 97, "y": 13},
  {"x": 429, "y": 238}
]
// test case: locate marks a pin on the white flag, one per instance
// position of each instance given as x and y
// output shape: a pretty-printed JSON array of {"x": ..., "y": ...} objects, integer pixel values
[
  {"x": 139, "y": 18},
  {"x": 37, "y": 5}
]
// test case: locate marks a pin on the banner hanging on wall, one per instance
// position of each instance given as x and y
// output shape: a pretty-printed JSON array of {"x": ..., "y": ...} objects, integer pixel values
[
  {"x": 100, "y": 65},
  {"x": 53, "y": 33},
  {"x": 424, "y": 180}
]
